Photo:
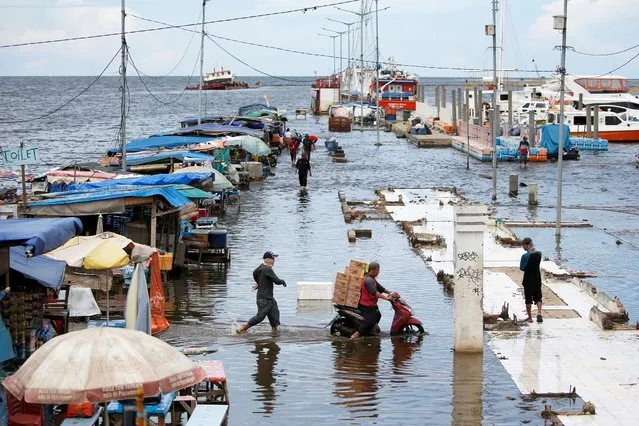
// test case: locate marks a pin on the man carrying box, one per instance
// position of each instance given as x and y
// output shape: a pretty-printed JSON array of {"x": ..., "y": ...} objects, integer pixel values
[{"x": 371, "y": 292}]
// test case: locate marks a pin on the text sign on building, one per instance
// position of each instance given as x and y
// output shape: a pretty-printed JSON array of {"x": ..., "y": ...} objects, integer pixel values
[{"x": 19, "y": 156}]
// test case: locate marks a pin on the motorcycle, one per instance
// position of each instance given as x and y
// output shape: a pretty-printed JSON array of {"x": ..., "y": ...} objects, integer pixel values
[{"x": 347, "y": 320}]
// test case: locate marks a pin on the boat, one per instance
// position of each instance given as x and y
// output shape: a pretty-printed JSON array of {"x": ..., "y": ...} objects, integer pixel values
[
  {"x": 398, "y": 90},
  {"x": 221, "y": 80}
]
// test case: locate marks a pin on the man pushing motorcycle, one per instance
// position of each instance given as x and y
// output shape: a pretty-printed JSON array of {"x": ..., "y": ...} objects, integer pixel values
[{"x": 371, "y": 291}]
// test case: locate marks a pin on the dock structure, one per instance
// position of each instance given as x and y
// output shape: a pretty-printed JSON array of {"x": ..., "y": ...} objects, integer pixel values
[
  {"x": 430, "y": 141},
  {"x": 578, "y": 346}
]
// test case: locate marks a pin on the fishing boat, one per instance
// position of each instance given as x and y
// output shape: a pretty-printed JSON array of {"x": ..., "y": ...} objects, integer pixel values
[
  {"x": 397, "y": 90},
  {"x": 221, "y": 80}
]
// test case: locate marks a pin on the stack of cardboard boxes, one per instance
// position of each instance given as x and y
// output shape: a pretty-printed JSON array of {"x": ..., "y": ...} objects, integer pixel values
[{"x": 348, "y": 284}]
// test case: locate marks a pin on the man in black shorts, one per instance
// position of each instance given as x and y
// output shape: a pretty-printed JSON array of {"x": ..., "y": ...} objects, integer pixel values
[{"x": 529, "y": 263}]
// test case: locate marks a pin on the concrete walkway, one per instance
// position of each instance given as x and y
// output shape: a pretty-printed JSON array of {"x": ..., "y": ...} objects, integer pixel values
[{"x": 566, "y": 350}]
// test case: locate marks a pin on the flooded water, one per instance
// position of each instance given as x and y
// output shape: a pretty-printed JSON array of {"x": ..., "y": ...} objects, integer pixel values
[{"x": 303, "y": 374}]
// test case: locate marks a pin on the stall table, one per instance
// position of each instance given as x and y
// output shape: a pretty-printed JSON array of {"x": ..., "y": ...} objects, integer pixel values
[
  {"x": 152, "y": 410},
  {"x": 212, "y": 390}
]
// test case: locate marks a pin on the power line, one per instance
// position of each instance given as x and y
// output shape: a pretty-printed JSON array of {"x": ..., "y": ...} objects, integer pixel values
[
  {"x": 256, "y": 69},
  {"x": 70, "y": 100},
  {"x": 620, "y": 66},
  {"x": 605, "y": 54},
  {"x": 146, "y": 30}
]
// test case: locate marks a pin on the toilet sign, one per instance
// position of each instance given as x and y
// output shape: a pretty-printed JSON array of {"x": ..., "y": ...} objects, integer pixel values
[{"x": 19, "y": 156}]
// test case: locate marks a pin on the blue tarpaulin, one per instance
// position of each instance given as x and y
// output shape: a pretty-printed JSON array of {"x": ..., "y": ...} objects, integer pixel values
[
  {"x": 171, "y": 195},
  {"x": 38, "y": 235},
  {"x": 179, "y": 156},
  {"x": 159, "y": 142},
  {"x": 152, "y": 180},
  {"x": 214, "y": 129},
  {"x": 550, "y": 138},
  {"x": 48, "y": 272}
]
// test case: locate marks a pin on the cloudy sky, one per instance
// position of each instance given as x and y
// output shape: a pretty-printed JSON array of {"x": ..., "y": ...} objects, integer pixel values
[{"x": 426, "y": 33}]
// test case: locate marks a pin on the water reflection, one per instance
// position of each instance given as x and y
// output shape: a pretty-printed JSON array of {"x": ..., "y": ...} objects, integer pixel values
[
  {"x": 304, "y": 201},
  {"x": 403, "y": 350},
  {"x": 264, "y": 377},
  {"x": 467, "y": 388},
  {"x": 356, "y": 366}
]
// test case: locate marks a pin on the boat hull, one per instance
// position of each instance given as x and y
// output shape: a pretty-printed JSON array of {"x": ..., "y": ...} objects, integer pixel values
[
  {"x": 614, "y": 135},
  {"x": 222, "y": 86}
]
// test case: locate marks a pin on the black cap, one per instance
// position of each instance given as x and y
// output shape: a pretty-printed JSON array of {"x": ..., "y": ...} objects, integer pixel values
[
  {"x": 269, "y": 255},
  {"x": 526, "y": 240}
]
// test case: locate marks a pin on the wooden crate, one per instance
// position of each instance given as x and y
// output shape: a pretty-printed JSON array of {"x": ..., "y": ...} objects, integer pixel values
[
  {"x": 356, "y": 272},
  {"x": 166, "y": 262}
]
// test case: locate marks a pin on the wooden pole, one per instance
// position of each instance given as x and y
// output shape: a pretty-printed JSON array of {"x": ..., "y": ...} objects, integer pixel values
[
  {"x": 588, "y": 121},
  {"x": 154, "y": 222},
  {"x": 443, "y": 96},
  {"x": 531, "y": 128},
  {"x": 437, "y": 99},
  {"x": 596, "y": 121},
  {"x": 510, "y": 109},
  {"x": 454, "y": 106},
  {"x": 460, "y": 109},
  {"x": 475, "y": 94}
]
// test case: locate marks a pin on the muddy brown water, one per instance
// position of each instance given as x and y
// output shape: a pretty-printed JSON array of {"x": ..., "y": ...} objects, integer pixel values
[{"x": 304, "y": 375}]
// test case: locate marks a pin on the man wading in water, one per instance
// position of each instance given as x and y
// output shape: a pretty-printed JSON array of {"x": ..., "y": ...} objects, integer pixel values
[
  {"x": 266, "y": 305},
  {"x": 530, "y": 262}
]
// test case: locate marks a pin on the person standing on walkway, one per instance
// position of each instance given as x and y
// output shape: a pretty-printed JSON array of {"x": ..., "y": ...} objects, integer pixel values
[
  {"x": 292, "y": 149},
  {"x": 303, "y": 169},
  {"x": 265, "y": 277},
  {"x": 529, "y": 263}
]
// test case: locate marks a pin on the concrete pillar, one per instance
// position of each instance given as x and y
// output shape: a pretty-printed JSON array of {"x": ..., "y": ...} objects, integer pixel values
[
  {"x": 467, "y": 104},
  {"x": 454, "y": 105},
  {"x": 532, "y": 194},
  {"x": 479, "y": 107},
  {"x": 468, "y": 374},
  {"x": 510, "y": 109},
  {"x": 437, "y": 99},
  {"x": 581, "y": 101},
  {"x": 532, "y": 130},
  {"x": 513, "y": 185},
  {"x": 460, "y": 104},
  {"x": 596, "y": 121},
  {"x": 588, "y": 121},
  {"x": 443, "y": 96},
  {"x": 475, "y": 94},
  {"x": 468, "y": 259}
]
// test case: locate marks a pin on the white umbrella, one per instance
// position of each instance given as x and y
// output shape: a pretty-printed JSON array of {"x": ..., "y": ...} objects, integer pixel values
[{"x": 99, "y": 365}]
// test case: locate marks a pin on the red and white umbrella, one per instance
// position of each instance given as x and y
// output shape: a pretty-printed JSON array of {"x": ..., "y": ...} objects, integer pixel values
[{"x": 102, "y": 364}]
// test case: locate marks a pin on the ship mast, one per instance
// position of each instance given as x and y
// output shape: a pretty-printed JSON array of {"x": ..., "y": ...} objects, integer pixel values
[
  {"x": 199, "y": 112},
  {"x": 123, "y": 88}
]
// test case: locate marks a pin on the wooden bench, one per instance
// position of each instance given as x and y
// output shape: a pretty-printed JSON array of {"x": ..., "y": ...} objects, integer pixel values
[
  {"x": 209, "y": 415},
  {"x": 212, "y": 390}
]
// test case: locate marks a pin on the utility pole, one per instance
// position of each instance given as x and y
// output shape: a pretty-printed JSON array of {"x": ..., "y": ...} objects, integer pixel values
[
  {"x": 348, "y": 48},
  {"x": 492, "y": 31},
  {"x": 339, "y": 33},
  {"x": 333, "y": 37},
  {"x": 377, "y": 94},
  {"x": 123, "y": 103},
  {"x": 199, "y": 111},
  {"x": 560, "y": 23}
]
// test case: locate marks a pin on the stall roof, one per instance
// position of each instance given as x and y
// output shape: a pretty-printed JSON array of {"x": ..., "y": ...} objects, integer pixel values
[
  {"x": 105, "y": 201},
  {"x": 46, "y": 271},
  {"x": 214, "y": 129},
  {"x": 162, "y": 141},
  {"x": 193, "y": 193},
  {"x": 38, "y": 235},
  {"x": 152, "y": 180},
  {"x": 181, "y": 156}
]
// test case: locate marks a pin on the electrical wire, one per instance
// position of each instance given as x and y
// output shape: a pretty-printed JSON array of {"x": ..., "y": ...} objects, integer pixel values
[
  {"x": 70, "y": 100},
  {"x": 146, "y": 30},
  {"x": 605, "y": 54},
  {"x": 620, "y": 66},
  {"x": 149, "y": 90}
]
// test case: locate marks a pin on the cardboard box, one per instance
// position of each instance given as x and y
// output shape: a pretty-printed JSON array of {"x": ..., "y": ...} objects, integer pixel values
[
  {"x": 358, "y": 272},
  {"x": 358, "y": 264},
  {"x": 352, "y": 298}
]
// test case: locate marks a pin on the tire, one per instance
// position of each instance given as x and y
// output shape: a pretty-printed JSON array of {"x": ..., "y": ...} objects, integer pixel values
[
  {"x": 338, "y": 326},
  {"x": 412, "y": 329}
]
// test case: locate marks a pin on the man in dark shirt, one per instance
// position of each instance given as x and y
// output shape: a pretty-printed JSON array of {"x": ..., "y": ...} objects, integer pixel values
[
  {"x": 524, "y": 148},
  {"x": 529, "y": 263},
  {"x": 371, "y": 292},
  {"x": 266, "y": 305},
  {"x": 303, "y": 169}
]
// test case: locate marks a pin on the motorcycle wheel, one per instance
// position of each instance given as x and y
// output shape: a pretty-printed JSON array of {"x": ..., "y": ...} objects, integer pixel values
[
  {"x": 412, "y": 329},
  {"x": 337, "y": 327}
]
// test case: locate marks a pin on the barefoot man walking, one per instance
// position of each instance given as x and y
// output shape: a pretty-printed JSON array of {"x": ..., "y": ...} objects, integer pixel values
[{"x": 530, "y": 262}]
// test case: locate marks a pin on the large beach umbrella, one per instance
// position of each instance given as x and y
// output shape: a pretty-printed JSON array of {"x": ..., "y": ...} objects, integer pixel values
[
  {"x": 99, "y": 365},
  {"x": 250, "y": 144}
]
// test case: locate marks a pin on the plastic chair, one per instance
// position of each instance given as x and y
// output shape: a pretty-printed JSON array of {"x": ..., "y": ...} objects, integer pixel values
[{"x": 22, "y": 413}]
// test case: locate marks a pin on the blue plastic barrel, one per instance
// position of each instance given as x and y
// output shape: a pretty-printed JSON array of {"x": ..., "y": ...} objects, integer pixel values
[{"x": 217, "y": 238}]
